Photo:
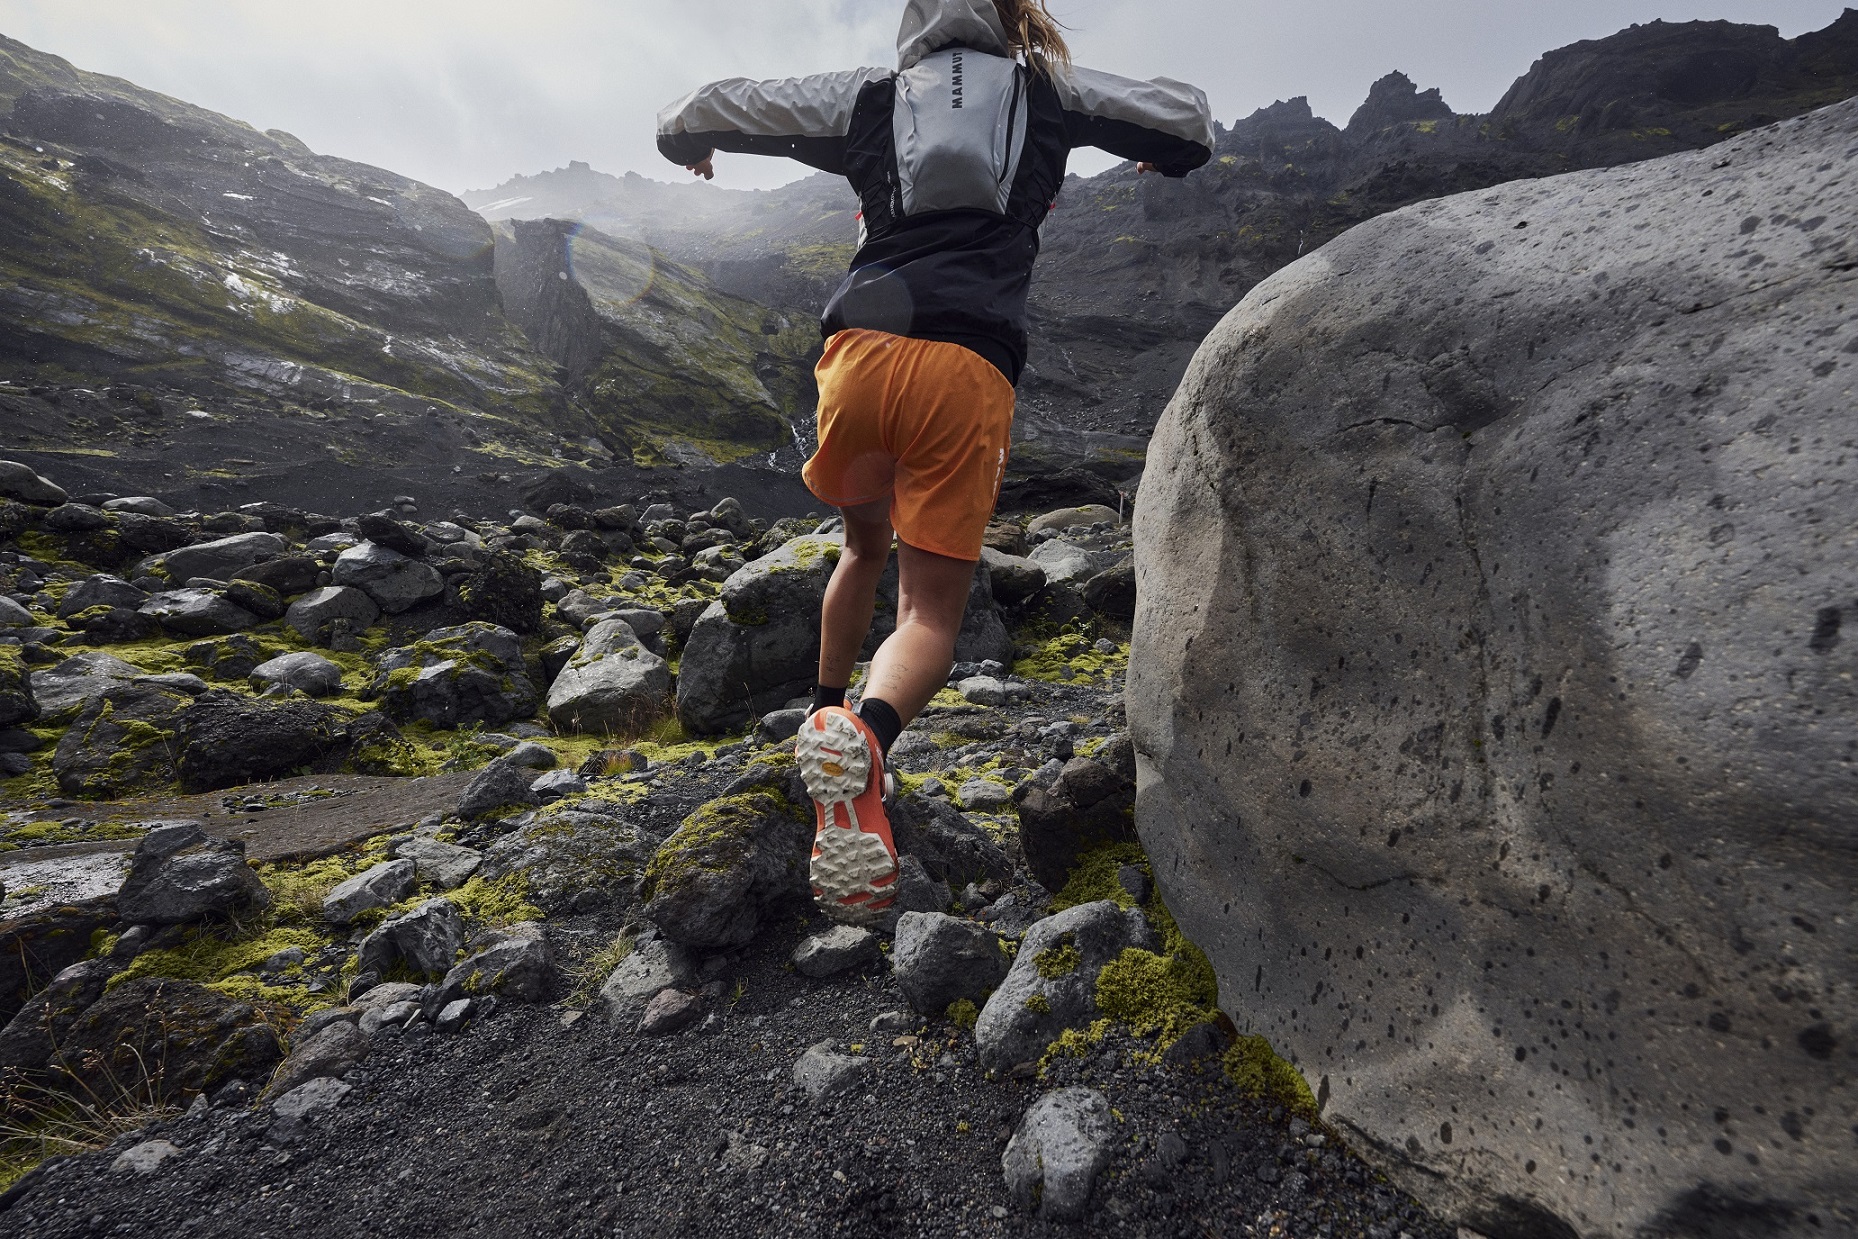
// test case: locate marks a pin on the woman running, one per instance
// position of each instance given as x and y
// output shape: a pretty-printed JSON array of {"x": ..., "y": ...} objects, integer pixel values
[{"x": 956, "y": 156}]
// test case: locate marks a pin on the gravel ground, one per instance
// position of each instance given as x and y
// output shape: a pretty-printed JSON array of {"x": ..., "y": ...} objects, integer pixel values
[{"x": 534, "y": 1121}]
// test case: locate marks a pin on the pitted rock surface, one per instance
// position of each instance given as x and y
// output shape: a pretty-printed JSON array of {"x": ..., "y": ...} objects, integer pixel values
[{"x": 1493, "y": 692}]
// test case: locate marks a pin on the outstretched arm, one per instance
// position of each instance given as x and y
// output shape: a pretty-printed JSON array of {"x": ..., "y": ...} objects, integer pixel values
[
  {"x": 802, "y": 118},
  {"x": 1164, "y": 125}
]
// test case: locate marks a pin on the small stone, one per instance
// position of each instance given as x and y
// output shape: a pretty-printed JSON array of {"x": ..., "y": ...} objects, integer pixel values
[
  {"x": 939, "y": 960},
  {"x": 558, "y": 783},
  {"x": 778, "y": 725},
  {"x": 1132, "y": 879},
  {"x": 825, "y": 1074},
  {"x": 445, "y": 864},
  {"x": 984, "y": 796},
  {"x": 669, "y": 1011},
  {"x": 893, "y": 1022},
  {"x": 146, "y": 1157},
  {"x": 452, "y": 1015},
  {"x": 1062, "y": 1143},
  {"x": 839, "y": 949},
  {"x": 983, "y": 690},
  {"x": 532, "y": 756},
  {"x": 379, "y": 887}
]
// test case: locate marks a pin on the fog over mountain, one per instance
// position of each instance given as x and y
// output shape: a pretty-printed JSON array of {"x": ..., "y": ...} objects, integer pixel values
[{"x": 467, "y": 93}]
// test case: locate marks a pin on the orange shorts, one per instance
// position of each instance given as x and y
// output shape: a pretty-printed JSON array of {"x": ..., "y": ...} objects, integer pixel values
[{"x": 925, "y": 423}]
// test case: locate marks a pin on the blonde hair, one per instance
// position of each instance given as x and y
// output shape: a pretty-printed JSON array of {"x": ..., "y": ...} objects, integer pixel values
[{"x": 1032, "y": 30}]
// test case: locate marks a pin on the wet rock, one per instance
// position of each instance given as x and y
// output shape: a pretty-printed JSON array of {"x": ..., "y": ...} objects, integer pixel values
[
  {"x": 196, "y": 613},
  {"x": 612, "y": 684},
  {"x": 712, "y": 881},
  {"x": 312, "y": 614},
  {"x": 940, "y": 959},
  {"x": 19, "y": 482},
  {"x": 37, "y": 946},
  {"x": 670, "y": 1011},
  {"x": 653, "y": 965},
  {"x": 178, "y": 874},
  {"x": 425, "y": 939},
  {"x": 472, "y": 673},
  {"x": 227, "y": 739},
  {"x": 1062, "y": 1143},
  {"x": 394, "y": 581},
  {"x": 17, "y": 702},
  {"x": 380, "y": 886},
  {"x": 1088, "y": 807},
  {"x": 307, "y": 673},
  {"x": 223, "y": 559},
  {"x": 1044, "y": 994},
  {"x": 826, "y": 1074},
  {"x": 518, "y": 964},
  {"x": 446, "y": 865},
  {"x": 836, "y": 950},
  {"x": 329, "y": 1052},
  {"x": 572, "y": 854},
  {"x": 496, "y": 786},
  {"x": 125, "y": 738},
  {"x": 155, "y": 1038},
  {"x": 1628, "y": 646}
]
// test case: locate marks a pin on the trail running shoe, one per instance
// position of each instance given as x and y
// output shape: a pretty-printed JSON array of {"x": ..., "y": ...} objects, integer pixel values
[{"x": 854, "y": 869}]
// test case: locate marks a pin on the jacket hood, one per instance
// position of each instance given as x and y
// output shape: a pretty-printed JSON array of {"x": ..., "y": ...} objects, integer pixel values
[{"x": 931, "y": 25}]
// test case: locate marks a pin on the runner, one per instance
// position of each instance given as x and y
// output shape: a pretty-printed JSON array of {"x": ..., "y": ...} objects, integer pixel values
[{"x": 956, "y": 155}]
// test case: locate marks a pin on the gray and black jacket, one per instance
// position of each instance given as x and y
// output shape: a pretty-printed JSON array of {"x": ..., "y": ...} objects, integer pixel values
[{"x": 956, "y": 157}]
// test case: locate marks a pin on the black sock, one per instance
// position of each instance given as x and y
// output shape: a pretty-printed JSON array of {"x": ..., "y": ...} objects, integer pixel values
[
  {"x": 823, "y": 697},
  {"x": 881, "y": 718}
]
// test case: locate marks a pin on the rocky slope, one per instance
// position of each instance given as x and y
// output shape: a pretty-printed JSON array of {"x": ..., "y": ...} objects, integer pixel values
[
  {"x": 1134, "y": 271},
  {"x": 1490, "y": 691}
]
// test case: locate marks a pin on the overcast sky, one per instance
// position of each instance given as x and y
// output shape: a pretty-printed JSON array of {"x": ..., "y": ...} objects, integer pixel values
[{"x": 465, "y": 93}]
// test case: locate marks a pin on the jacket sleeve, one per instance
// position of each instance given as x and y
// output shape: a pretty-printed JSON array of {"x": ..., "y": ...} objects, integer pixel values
[
  {"x": 803, "y": 118},
  {"x": 1163, "y": 122}
]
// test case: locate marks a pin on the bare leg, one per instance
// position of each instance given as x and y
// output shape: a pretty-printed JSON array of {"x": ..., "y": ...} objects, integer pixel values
[
  {"x": 913, "y": 663},
  {"x": 851, "y": 595}
]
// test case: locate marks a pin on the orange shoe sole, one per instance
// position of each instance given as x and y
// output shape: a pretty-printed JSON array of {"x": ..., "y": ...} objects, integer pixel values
[{"x": 854, "y": 865}]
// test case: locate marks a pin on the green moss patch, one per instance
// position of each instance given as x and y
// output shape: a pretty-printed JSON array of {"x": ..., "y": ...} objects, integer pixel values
[{"x": 1254, "y": 1067}]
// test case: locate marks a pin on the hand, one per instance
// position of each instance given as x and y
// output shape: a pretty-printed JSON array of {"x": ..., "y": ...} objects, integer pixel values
[
  {"x": 703, "y": 168},
  {"x": 1145, "y": 167}
]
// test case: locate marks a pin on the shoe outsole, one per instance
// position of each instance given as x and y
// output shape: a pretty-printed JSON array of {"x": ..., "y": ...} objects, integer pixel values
[{"x": 853, "y": 869}]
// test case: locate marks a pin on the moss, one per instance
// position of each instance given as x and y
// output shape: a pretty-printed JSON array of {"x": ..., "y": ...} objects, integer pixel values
[
  {"x": 1072, "y": 651},
  {"x": 1038, "y": 1004},
  {"x": 1163, "y": 995},
  {"x": 223, "y": 958},
  {"x": 1095, "y": 877},
  {"x": 44, "y": 834},
  {"x": 713, "y": 838},
  {"x": 1075, "y": 1042},
  {"x": 1254, "y": 1067},
  {"x": 492, "y": 903},
  {"x": 1060, "y": 960},
  {"x": 962, "y": 1013}
]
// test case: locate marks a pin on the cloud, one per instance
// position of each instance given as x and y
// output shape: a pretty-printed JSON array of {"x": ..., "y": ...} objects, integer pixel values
[{"x": 464, "y": 93}]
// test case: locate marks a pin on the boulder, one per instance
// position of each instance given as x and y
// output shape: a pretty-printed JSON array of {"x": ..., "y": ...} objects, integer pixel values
[
  {"x": 612, "y": 684},
  {"x": 19, "y": 482},
  {"x": 126, "y": 738},
  {"x": 311, "y": 614},
  {"x": 651, "y": 966},
  {"x": 158, "y": 1039},
  {"x": 502, "y": 590},
  {"x": 1066, "y": 563},
  {"x": 445, "y": 865},
  {"x": 1052, "y": 984},
  {"x": 144, "y": 505},
  {"x": 259, "y": 600},
  {"x": 289, "y": 575},
  {"x": 15, "y": 615},
  {"x": 1082, "y": 516},
  {"x": 226, "y": 739},
  {"x": 518, "y": 964},
  {"x": 394, "y": 581},
  {"x": 835, "y": 950},
  {"x": 222, "y": 559},
  {"x": 497, "y": 786},
  {"x": 951, "y": 849},
  {"x": 1063, "y": 1141},
  {"x": 1088, "y": 807},
  {"x": 426, "y": 940},
  {"x": 555, "y": 784},
  {"x": 18, "y": 704},
  {"x": 329, "y": 1053},
  {"x": 1111, "y": 593},
  {"x": 383, "y": 530},
  {"x": 36, "y": 947},
  {"x": 472, "y": 673},
  {"x": 379, "y": 886},
  {"x": 1491, "y": 641},
  {"x": 64, "y": 690},
  {"x": 28, "y": 1041},
  {"x": 304, "y": 672},
  {"x": 197, "y": 613},
  {"x": 103, "y": 625},
  {"x": 100, "y": 591},
  {"x": 178, "y": 875},
  {"x": 1013, "y": 578},
  {"x": 826, "y": 1074},
  {"x": 78, "y": 518},
  {"x": 725, "y": 867},
  {"x": 576, "y": 855},
  {"x": 939, "y": 960}
]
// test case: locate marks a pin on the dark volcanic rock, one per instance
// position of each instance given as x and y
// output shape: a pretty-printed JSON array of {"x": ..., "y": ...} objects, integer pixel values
[
  {"x": 473, "y": 673},
  {"x": 503, "y": 591},
  {"x": 125, "y": 738},
  {"x": 178, "y": 875},
  {"x": 37, "y": 946},
  {"x": 226, "y": 739},
  {"x": 1089, "y": 806},
  {"x": 728, "y": 863},
  {"x": 160, "y": 1039}
]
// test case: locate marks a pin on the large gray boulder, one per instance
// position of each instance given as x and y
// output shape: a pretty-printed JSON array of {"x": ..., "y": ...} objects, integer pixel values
[
  {"x": 1052, "y": 984},
  {"x": 394, "y": 581},
  {"x": 725, "y": 867},
  {"x": 651, "y": 965},
  {"x": 757, "y": 645},
  {"x": 221, "y": 559},
  {"x": 178, "y": 874},
  {"x": 21, "y": 482},
  {"x": 1491, "y": 695},
  {"x": 569, "y": 857},
  {"x": 378, "y": 886},
  {"x": 313, "y": 612},
  {"x": 472, "y": 673},
  {"x": 303, "y": 671},
  {"x": 100, "y": 591},
  {"x": 197, "y": 613},
  {"x": 613, "y": 685},
  {"x": 63, "y": 690},
  {"x": 426, "y": 939},
  {"x": 126, "y": 738}
]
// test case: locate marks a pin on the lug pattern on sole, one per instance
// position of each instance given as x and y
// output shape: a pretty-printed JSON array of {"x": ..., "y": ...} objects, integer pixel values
[{"x": 853, "y": 872}]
